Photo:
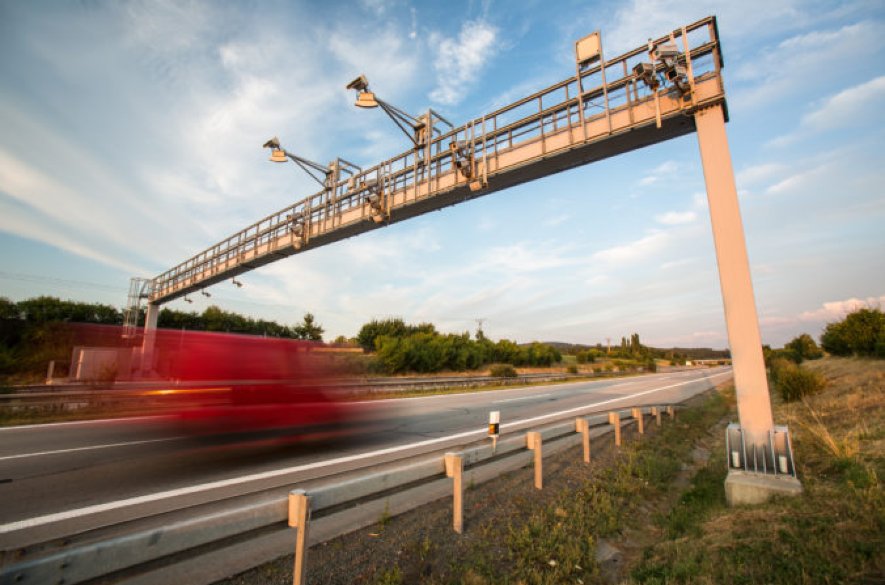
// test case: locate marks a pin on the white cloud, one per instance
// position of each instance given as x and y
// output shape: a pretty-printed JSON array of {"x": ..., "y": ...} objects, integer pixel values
[
  {"x": 803, "y": 59},
  {"x": 662, "y": 171},
  {"x": 556, "y": 220},
  {"x": 856, "y": 106},
  {"x": 459, "y": 61},
  {"x": 637, "y": 250},
  {"x": 45, "y": 230},
  {"x": 835, "y": 310},
  {"x": 676, "y": 217},
  {"x": 799, "y": 181},
  {"x": 379, "y": 7},
  {"x": 861, "y": 105},
  {"x": 760, "y": 173},
  {"x": 677, "y": 263},
  {"x": 525, "y": 257},
  {"x": 637, "y": 20},
  {"x": 169, "y": 26}
]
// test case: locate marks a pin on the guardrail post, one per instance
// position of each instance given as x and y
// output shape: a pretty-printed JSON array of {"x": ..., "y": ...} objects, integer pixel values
[
  {"x": 640, "y": 422},
  {"x": 656, "y": 412},
  {"x": 533, "y": 442},
  {"x": 299, "y": 516},
  {"x": 583, "y": 427},
  {"x": 614, "y": 418},
  {"x": 454, "y": 469},
  {"x": 672, "y": 412}
]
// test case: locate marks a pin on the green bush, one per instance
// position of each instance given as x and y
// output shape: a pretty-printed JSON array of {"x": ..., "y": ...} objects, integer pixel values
[
  {"x": 502, "y": 371},
  {"x": 572, "y": 369},
  {"x": 861, "y": 333},
  {"x": 805, "y": 347},
  {"x": 792, "y": 382}
]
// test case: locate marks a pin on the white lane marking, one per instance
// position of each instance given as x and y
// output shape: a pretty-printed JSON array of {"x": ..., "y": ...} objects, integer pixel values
[
  {"x": 580, "y": 408},
  {"x": 97, "y": 508},
  {"x": 82, "y": 422},
  {"x": 521, "y": 398},
  {"x": 108, "y": 446},
  {"x": 619, "y": 385},
  {"x": 492, "y": 392}
]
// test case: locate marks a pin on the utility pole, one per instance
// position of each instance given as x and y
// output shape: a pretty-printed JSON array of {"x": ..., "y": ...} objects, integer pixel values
[{"x": 479, "y": 322}]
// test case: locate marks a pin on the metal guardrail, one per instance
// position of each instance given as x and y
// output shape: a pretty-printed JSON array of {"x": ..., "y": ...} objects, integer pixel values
[{"x": 257, "y": 532}]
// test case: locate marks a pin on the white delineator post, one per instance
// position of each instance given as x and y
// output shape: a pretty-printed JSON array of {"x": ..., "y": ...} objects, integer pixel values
[{"x": 741, "y": 319}]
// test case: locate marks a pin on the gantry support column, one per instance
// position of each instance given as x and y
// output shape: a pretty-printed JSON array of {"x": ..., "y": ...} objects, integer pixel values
[
  {"x": 753, "y": 400},
  {"x": 744, "y": 484},
  {"x": 152, "y": 313}
]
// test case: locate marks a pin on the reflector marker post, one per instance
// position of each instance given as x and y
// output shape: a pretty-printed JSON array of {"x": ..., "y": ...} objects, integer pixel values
[{"x": 494, "y": 428}]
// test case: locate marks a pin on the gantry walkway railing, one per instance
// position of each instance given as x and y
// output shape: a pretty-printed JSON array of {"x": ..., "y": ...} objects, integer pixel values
[{"x": 605, "y": 109}]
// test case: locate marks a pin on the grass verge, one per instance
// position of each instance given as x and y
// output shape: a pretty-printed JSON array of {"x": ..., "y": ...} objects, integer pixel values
[
  {"x": 832, "y": 533},
  {"x": 653, "y": 511}
]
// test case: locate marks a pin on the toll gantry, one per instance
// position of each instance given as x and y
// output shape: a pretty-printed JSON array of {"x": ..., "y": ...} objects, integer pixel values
[
  {"x": 669, "y": 87},
  {"x": 606, "y": 108}
]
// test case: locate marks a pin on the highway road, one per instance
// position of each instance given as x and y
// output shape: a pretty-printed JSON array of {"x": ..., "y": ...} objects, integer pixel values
[{"x": 66, "y": 478}]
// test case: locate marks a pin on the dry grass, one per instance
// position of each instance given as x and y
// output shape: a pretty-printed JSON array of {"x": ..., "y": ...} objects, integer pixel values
[{"x": 833, "y": 532}]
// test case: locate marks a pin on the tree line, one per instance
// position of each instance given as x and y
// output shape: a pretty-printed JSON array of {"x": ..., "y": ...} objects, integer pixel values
[
  {"x": 401, "y": 347},
  {"x": 32, "y": 331},
  {"x": 46, "y": 309},
  {"x": 860, "y": 334}
]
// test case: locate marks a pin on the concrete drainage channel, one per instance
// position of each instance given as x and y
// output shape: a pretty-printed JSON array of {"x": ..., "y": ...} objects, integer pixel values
[{"x": 210, "y": 542}]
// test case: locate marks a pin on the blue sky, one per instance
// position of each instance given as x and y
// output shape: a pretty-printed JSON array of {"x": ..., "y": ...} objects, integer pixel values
[{"x": 131, "y": 139}]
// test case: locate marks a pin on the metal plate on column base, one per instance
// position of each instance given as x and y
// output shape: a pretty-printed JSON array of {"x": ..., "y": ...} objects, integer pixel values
[{"x": 742, "y": 487}]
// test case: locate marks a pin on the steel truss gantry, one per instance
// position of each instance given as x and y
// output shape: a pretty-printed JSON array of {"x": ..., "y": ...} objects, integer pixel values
[{"x": 603, "y": 110}]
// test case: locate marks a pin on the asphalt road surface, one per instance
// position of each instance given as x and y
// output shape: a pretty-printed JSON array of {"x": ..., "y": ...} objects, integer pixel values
[{"x": 97, "y": 473}]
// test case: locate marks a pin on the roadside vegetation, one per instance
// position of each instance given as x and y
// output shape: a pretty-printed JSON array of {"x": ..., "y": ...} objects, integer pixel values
[{"x": 653, "y": 512}]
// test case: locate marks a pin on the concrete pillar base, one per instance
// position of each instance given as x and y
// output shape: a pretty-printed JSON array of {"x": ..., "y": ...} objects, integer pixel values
[{"x": 742, "y": 487}]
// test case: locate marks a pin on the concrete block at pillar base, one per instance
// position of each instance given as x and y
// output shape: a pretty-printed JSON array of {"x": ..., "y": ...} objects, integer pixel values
[{"x": 742, "y": 487}]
